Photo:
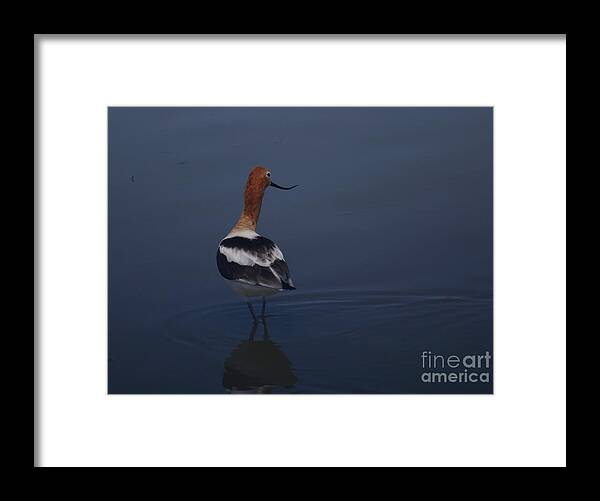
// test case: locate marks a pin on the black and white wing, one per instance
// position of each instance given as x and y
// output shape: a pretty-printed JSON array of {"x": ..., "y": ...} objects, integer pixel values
[{"x": 254, "y": 261}]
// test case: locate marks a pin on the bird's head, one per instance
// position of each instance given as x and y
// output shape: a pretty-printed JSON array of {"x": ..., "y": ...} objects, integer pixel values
[{"x": 260, "y": 179}]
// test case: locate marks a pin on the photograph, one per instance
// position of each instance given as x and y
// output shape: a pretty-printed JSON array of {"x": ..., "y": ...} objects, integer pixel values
[{"x": 300, "y": 250}]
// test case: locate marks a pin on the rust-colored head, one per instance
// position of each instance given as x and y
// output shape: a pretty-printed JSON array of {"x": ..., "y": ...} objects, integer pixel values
[{"x": 258, "y": 181}]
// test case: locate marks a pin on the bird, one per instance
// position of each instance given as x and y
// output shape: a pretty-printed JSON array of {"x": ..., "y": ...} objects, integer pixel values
[{"x": 253, "y": 265}]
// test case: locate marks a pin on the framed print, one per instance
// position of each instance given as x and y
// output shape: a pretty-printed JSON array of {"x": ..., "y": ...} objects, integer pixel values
[{"x": 299, "y": 251}]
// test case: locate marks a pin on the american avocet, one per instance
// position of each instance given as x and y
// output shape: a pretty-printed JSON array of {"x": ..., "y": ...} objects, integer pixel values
[{"x": 252, "y": 264}]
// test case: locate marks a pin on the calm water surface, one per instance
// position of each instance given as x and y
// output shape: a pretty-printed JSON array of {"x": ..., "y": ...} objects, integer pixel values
[{"x": 388, "y": 238}]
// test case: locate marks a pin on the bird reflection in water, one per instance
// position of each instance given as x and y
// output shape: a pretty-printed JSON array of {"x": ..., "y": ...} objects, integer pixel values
[{"x": 258, "y": 365}]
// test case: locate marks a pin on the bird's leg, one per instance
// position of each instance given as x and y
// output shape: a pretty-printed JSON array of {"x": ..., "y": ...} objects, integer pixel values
[
  {"x": 251, "y": 311},
  {"x": 263, "y": 308},
  {"x": 266, "y": 336}
]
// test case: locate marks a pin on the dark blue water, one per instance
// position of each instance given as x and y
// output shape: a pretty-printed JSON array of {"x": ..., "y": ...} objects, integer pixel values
[{"x": 388, "y": 239}]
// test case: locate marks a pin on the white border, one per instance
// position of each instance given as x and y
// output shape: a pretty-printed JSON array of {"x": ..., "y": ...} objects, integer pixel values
[{"x": 522, "y": 424}]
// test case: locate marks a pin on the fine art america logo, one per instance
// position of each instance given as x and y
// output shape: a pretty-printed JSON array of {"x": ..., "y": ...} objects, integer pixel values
[{"x": 455, "y": 368}]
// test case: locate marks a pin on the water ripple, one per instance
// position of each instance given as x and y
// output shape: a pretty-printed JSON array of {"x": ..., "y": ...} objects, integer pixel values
[{"x": 310, "y": 340}]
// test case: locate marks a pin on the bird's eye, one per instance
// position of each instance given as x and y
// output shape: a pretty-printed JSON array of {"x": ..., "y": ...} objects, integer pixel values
[{"x": 268, "y": 174}]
